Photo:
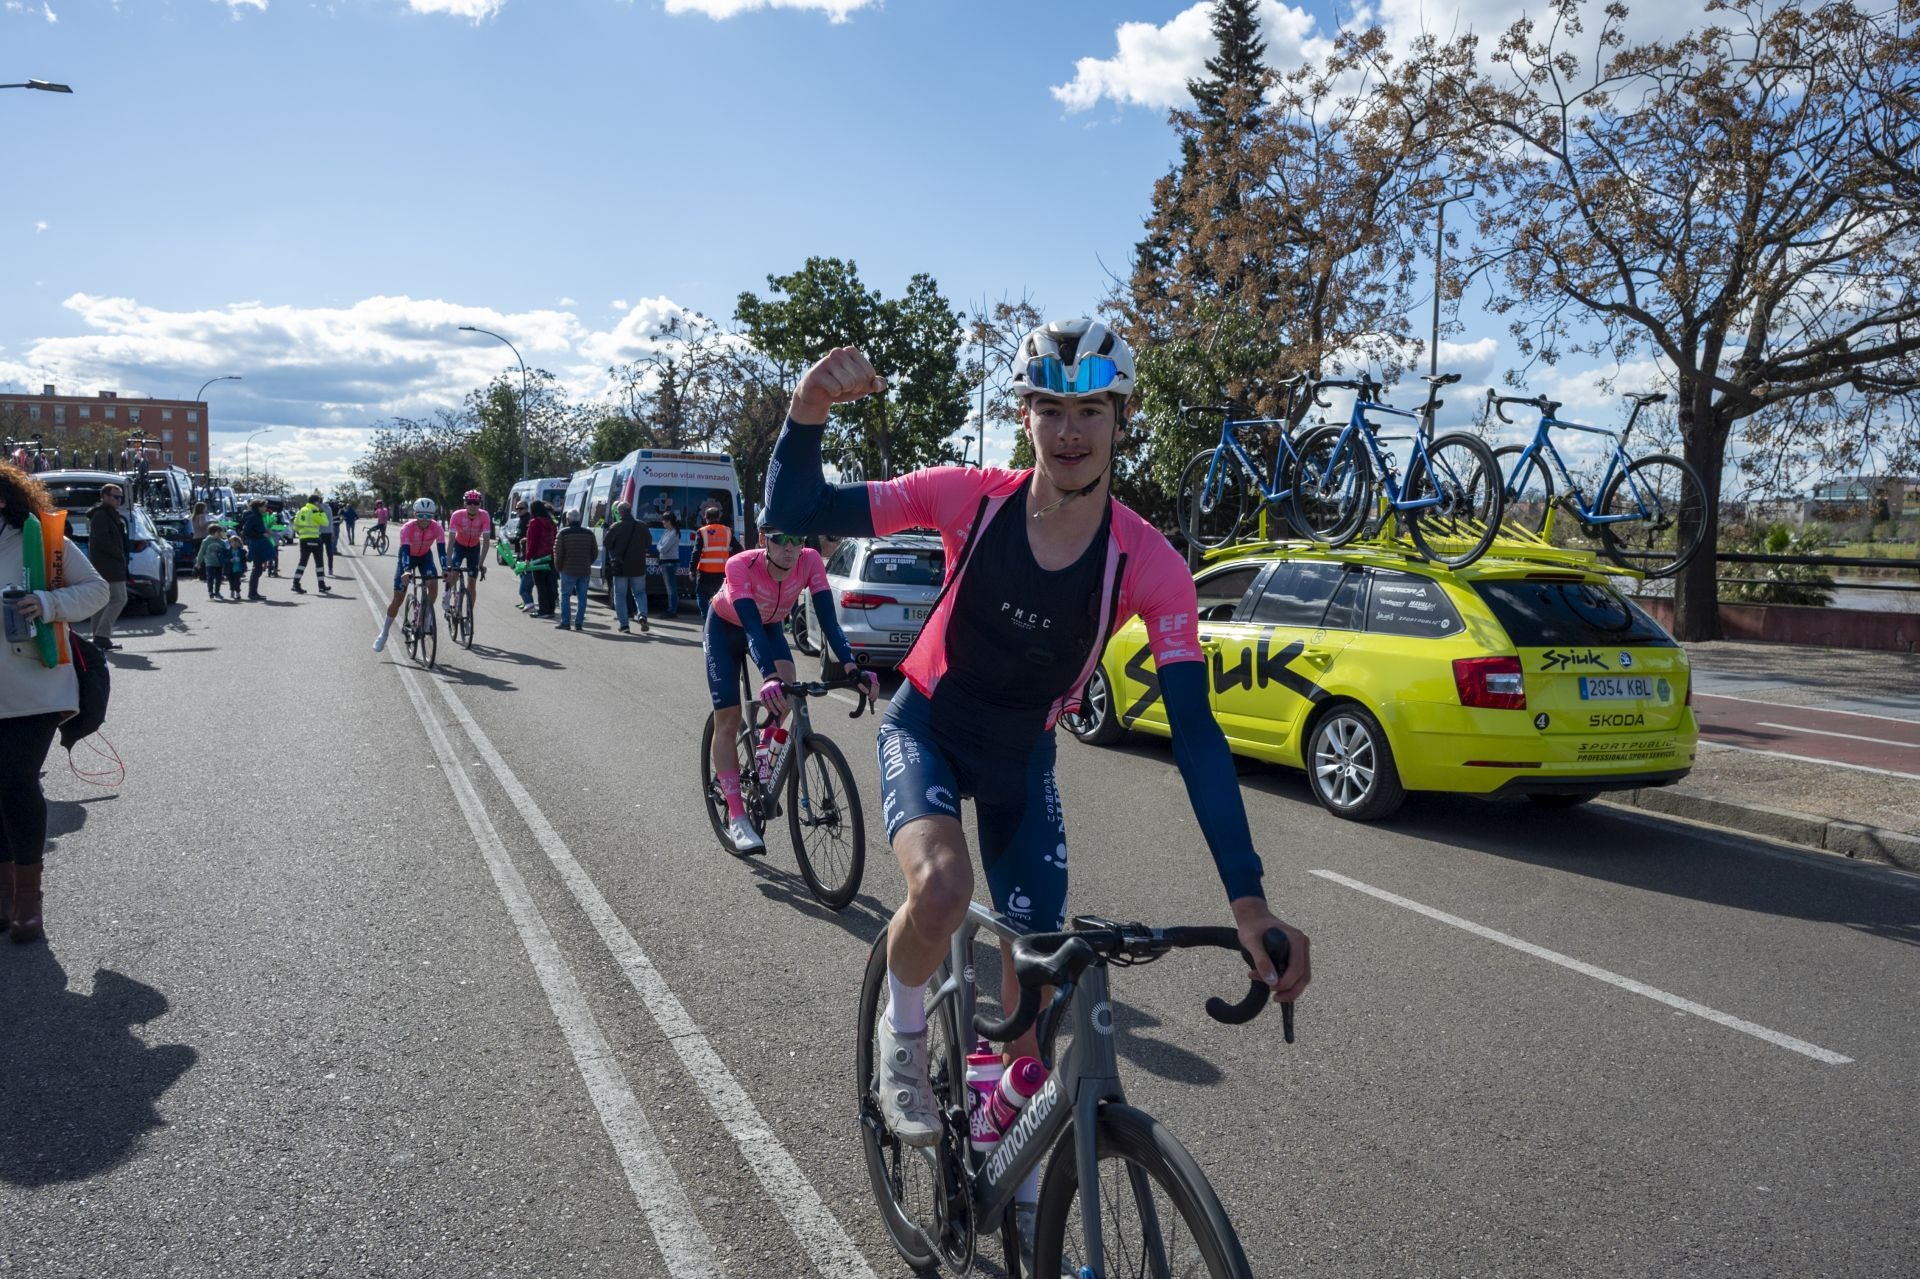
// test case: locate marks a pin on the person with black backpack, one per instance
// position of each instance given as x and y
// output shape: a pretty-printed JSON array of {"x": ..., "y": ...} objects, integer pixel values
[{"x": 40, "y": 682}]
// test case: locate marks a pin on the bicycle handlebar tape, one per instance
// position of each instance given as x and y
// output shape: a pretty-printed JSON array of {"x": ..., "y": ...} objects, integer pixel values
[
  {"x": 1034, "y": 969},
  {"x": 1257, "y": 993}
]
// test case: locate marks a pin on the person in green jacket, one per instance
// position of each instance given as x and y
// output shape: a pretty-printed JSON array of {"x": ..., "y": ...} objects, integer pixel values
[{"x": 211, "y": 562}]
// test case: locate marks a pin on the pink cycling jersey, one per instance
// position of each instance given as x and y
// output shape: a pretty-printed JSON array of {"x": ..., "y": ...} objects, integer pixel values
[
  {"x": 1144, "y": 576},
  {"x": 469, "y": 527},
  {"x": 420, "y": 540},
  {"x": 748, "y": 578}
]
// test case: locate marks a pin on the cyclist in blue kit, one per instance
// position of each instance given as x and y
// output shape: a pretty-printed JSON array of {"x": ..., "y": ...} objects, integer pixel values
[{"x": 1043, "y": 566}]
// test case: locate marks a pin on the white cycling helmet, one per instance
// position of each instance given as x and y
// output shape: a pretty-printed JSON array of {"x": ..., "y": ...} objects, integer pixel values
[
  {"x": 424, "y": 506},
  {"x": 1070, "y": 359}
]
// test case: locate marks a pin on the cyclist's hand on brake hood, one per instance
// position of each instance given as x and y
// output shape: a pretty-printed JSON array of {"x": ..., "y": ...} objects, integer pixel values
[{"x": 1252, "y": 919}]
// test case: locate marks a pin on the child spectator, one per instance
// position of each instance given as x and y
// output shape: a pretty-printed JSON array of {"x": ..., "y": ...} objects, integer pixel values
[
  {"x": 236, "y": 562},
  {"x": 212, "y": 561}
]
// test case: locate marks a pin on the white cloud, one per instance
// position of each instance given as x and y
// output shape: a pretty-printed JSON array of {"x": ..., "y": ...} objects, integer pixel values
[
  {"x": 51, "y": 15},
  {"x": 15, "y": 6},
  {"x": 40, "y": 226},
  {"x": 721, "y": 10},
  {"x": 618, "y": 304},
  {"x": 474, "y": 10},
  {"x": 566, "y": 302},
  {"x": 1151, "y": 65},
  {"x": 237, "y": 5},
  {"x": 631, "y": 337}
]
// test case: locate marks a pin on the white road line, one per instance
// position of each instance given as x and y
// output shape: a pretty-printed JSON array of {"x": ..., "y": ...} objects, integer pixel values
[
  {"x": 1598, "y": 974},
  {"x": 676, "y": 1229},
  {"x": 827, "y": 1243},
  {"x": 1793, "y": 706},
  {"x": 1708, "y": 743},
  {"x": 1850, "y": 737}
]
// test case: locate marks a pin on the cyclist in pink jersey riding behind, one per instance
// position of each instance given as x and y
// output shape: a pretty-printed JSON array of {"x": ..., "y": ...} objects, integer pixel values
[
  {"x": 472, "y": 530},
  {"x": 1043, "y": 565},
  {"x": 746, "y": 620},
  {"x": 417, "y": 538}
]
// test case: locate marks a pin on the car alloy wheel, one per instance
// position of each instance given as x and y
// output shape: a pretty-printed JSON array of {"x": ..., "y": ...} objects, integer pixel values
[
  {"x": 1096, "y": 724},
  {"x": 1350, "y": 766}
]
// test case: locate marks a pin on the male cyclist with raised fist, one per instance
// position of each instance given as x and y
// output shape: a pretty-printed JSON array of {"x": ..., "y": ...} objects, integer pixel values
[{"x": 1042, "y": 566}]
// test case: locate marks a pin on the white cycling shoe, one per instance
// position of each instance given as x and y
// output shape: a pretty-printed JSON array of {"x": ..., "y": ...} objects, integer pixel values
[
  {"x": 745, "y": 838},
  {"x": 380, "y": 642},
  {"x": 901, "y": 1087}
]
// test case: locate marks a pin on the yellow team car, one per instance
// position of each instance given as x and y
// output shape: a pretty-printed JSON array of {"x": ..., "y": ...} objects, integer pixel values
[{"x": 1378, "y": 673}]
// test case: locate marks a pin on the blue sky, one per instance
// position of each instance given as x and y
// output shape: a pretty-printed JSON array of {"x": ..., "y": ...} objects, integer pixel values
[{"x": 314, "y": 194}]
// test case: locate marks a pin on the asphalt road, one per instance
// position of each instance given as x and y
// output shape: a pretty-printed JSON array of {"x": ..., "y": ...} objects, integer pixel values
[
  {"x": 1884, "y": 743},
  {"x": 368, "y": 971}
]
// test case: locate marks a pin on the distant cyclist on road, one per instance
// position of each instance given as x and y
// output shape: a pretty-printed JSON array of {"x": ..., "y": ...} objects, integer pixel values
[
  {"x": 472, "y": 530},
  {"x": 418, "y": 538},
  {"x": 744, "y": 619},
  {"x": 1044, "y": 565}
]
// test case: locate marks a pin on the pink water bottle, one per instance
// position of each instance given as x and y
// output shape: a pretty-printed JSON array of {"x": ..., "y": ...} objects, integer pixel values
[
  {"x": 1017, "y": 1086},
  {"x": 984, "y": 1069}
]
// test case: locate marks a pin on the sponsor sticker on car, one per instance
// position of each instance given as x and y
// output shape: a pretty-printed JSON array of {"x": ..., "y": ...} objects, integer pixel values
[{"x": 1615, "y": 688}]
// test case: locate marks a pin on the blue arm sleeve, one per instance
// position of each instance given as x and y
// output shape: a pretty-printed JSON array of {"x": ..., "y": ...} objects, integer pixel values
[
  {"x": 830, "y": 624},
  {"x": 1206, "y": 765},
  {"x": 757, "y": 637},
  {"x": 799, "y": 499}
]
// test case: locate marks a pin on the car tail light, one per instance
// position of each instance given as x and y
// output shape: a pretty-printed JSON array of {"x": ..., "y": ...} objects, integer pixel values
[
  {"x": 1495, "y": 683},
  {"x": 861, "y": 599},
  {"x": 138, "y": 544}
]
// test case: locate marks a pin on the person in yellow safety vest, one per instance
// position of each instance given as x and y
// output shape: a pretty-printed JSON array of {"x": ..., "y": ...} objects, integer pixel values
[
  {"x": 310, "y": 524},
  {"x": 713, "y": 543}
]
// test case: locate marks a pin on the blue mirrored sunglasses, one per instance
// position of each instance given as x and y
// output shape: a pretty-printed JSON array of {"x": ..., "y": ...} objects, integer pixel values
[{"x": 1091, "y": 373}]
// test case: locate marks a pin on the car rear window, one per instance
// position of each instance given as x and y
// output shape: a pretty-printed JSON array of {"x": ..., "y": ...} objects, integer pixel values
[
  {"x": 75, "y": 495},
  {"x": 905, "y": 565},
  {"x": 1538, "y": 612},
  {"x": 1408, "y": 604}
]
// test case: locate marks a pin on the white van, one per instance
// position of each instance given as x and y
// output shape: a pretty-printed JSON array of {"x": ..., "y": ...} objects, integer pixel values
[
  {"x": 655, "y": 481},
  {"x": 552, "y": 490}
]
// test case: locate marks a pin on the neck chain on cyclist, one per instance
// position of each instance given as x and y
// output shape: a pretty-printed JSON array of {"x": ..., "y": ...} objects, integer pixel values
[{"x": 1079, "y": 492}]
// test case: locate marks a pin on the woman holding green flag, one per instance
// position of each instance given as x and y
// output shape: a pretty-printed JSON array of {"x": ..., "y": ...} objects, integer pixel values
[{"x": 49, "y": 584}]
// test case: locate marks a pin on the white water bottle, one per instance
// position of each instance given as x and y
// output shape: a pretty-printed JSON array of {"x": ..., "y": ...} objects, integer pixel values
[
  {"x": 766, "y": 756},
  {"x": 984, "y": 1068}
]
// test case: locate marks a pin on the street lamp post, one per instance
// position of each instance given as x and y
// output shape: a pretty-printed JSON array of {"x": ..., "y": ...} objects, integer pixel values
[
  {"x": 45, "y": 86},
  {"x": 1461, "y": 191},
  {"x": 469, "y": 328},
  {"x": 248, "y": 465},
  {"x": 200, "y": 396}
]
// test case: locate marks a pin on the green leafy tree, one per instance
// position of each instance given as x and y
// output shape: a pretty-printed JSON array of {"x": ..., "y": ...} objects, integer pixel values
[{"x": 914, "y": 340}]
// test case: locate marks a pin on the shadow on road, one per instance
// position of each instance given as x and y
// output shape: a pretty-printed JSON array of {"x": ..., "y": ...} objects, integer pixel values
[
  {"x": 864, "y": 917},
  {"x": 473, "y": 679},
  {"x": 81, "y": 1087},
  {"x": 492, "y": 654}
]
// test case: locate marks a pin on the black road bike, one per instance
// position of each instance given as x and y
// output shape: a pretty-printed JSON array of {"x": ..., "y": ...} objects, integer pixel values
[{"x": 1120, "y": 1195}]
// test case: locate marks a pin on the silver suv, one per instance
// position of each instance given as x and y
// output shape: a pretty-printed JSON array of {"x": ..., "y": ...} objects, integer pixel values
[{"x": 883, "y": 588}]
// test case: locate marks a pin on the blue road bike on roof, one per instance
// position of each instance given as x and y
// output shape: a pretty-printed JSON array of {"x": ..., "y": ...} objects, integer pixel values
[
  {"x": 1651, "y": 516},
  {"x": 1449, "y": 504},
  {"x": 1223, "y": 487}
]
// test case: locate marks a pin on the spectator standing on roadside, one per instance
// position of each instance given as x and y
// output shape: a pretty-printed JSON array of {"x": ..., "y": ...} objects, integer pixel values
[
  {"x": 573, "y": 553},
  {"x": 713, "y": 543},
  {"x": 627, "y": 543},
  {"x": 310, "y": 529},
  {"x": 200, "y": 520},
  {"x": 670, "y": 560},
  {"x": 253, "y": 527},
  {"x": 333, "y": 534},
  {"x": 275, "y": 526},
  {"x": 34, "y": 697},
  {"x": 236, "y": 564},
  {"x": 211, "y": 561},
  {"x": 539, "y": 543},
  {"x": 107, "y": 549},
  {"x": 351, "y": 517}
]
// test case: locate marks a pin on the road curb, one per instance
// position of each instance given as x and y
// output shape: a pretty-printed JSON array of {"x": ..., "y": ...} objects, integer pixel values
[{"x": 1828, "y": 834}]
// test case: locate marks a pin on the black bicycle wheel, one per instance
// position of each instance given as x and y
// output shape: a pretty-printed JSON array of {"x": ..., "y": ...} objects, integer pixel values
[
  {"x": 1211, "y": 507},
  {"x": 824, "y": 821},
  {"x": 710, "y": 786},
  {"x": 1332, "y": 486},
  {"x": 429, "y": 636},
  {"x": 1461, "y": 471},
  {"x": 408, "y": 631},
  {"x": 1669, "y": 505},
  {"x": 1527, "y": 489},
  {"x": 465, "y": 634},
  {"x": 1158, "y": 1215},
  {"x": 924, "y": 1213}
]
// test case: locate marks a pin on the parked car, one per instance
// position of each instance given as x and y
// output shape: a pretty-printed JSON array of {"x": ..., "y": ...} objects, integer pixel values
[
  {"x": 1379, "y": 674},
  {"x": 883, "y": 588},
  {"x": 151, "y": 577}
]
